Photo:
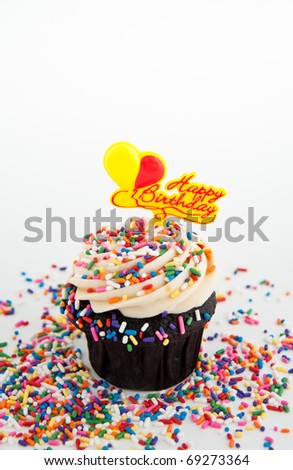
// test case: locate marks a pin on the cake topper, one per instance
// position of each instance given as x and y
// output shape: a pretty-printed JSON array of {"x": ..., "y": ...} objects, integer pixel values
[{"x": 139, "y": 176}]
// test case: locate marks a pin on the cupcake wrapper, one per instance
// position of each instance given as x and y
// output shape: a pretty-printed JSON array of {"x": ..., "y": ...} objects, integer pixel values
[
  {"x": 146, "y": 368},
  {"x": 150, "y": 366}
]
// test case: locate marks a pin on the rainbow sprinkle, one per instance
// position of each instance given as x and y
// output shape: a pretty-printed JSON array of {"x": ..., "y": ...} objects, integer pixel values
[{"x": 49, "y": 399}]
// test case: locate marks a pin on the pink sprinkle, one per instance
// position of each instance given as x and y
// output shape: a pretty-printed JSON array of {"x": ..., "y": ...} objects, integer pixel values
[
  {"x": 139, "y": 245},
  {"x": 245, "y": 404},
  {"x": 205, "y": 424},
  {"x": 269, "y": 439},
  {"x": 54, "y": 442},
  {"x": 181, "y": 324},
  {"x": 94, "y": 333},
  {"x": 101, "y": 289},
  {"x": 242, "y": 423},
  {"x": 21, "y": 323},
  {"x": 193, "y": 418},
  {"x": 215, "y": 424},
  {"x": 158, "y": 334}
]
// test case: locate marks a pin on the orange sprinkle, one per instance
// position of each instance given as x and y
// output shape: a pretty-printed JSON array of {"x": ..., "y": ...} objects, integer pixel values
[
  {"x": 285, "y": 430},
  {"x": 211, "y": 269},
  {"x": 200, "y": 420},
  {"x": 113, "y": 300},
  {"x": 69, "y": 434},
  {"x": 231, "y": 443}
]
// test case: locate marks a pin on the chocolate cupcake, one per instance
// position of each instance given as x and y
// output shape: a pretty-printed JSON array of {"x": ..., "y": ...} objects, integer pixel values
[{"x": 142, "y": 301}]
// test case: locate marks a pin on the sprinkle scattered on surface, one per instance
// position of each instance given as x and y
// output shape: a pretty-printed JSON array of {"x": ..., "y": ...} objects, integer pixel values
[{"x": 49, "y": 399}]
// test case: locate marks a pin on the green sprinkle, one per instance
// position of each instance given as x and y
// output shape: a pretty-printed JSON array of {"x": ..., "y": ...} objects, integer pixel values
[
  {"x": 257, "y": 412},
  {"x": 286, "y": 408},
  {"x": 195, "y": 272},
  {"x": 189, "y": 321},
  {"x": 129, "y": 347},
  {"x": 220, "y": 351},
  {"x": 2, "y": 345},
  {"x": 2, "y": 354},
  {"x": 153, "y": 395},
  {"x": 96, "y": 272},
  {"x": 90, "y": 265}
]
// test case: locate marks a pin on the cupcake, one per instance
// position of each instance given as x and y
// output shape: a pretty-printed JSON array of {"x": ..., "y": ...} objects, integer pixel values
[{"x": 142, "y": 298}]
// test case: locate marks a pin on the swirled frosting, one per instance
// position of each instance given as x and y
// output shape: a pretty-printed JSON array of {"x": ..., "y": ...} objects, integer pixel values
[{"x": 144, "y": 271}]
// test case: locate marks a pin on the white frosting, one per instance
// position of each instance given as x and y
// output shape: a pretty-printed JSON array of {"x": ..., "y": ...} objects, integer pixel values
[{"x": 175, "y": 295}]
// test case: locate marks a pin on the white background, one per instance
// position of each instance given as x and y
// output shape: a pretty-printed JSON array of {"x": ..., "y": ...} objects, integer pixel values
[{"x": 208, "y": 85}]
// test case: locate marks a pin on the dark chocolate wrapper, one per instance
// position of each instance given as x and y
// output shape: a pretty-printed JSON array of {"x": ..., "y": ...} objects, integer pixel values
[{"x": 150, "y": 366}]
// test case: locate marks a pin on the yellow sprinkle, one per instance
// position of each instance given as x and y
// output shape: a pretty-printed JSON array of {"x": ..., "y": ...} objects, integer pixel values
[
  {"x": 115, "y": 261},
  {"x": 126, "y": 435},
  {"x": 51, "y": 422},
  {"x": 175, "y": 293},
  {"x": 132, "y": 338},
  {"x": 249, "y": 428},
  {"x": 171, "y": 263},
  {"x": 129, "y": 276},
  {"x": 166, "y": 341},
  {"x": 168, "y": 434},
  {"x": 281, "y": 369},
  {"x": 99, "y": 447},
  {"x": 109, "y": 436},
  {"x": 25, "y": 396},
  {"x": 84, "y": 439},
  {"x": 124, "y": 297},
  {"x": 238, "y": 434},
  {"x": 85, "y": 374}
]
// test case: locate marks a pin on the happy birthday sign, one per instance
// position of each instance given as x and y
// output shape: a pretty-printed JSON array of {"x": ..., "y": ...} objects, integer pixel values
[{"x": 139, "y": 176}]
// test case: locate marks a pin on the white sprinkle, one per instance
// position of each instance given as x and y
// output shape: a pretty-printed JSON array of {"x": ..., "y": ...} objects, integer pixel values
[
  {"x": 83, "y": 312},
  {"x": 64, "y": 292},
  {"x": 102, "y": 333},
  {"x": 122, "y": 327},
  {"x": 60, "y": 366},
  {"x": 125, "y": 339},
  {"x": 76, "y": 304},
  {"x": 108, "y": 288},
  {"x": 197, "y": 315},
  {"x": 108, "y": 276},
  {"x": 178, "y": 249},
  {"x": 144, "y": 326},
  {"x": 116, "y": 285},
  {"x": 127, "y": 283},
  {"x": 184, "y": 286}
]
